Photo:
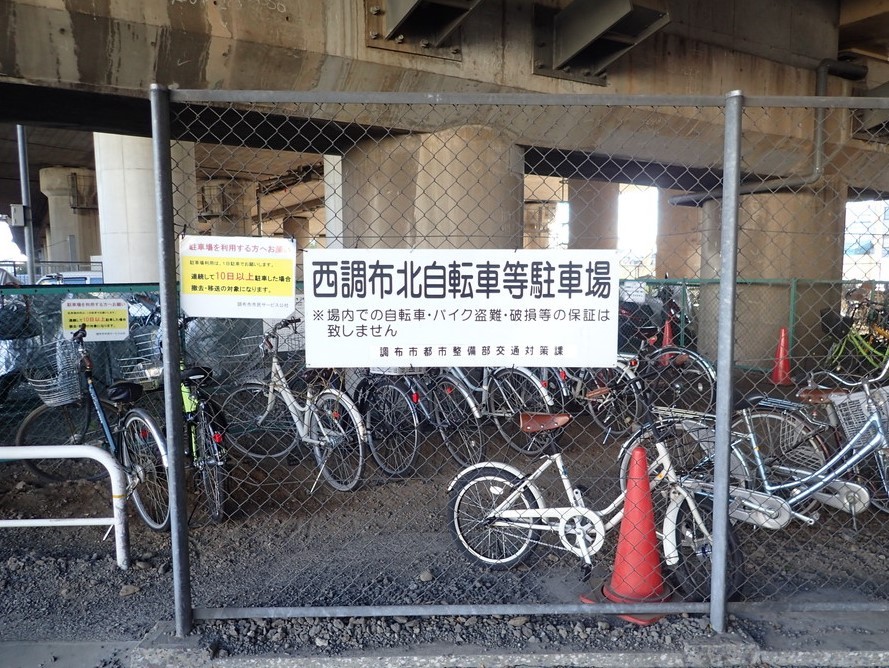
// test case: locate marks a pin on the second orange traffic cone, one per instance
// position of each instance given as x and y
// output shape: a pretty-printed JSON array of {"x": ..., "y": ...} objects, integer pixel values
[
  {"x": 637, "y": 576},
  {"x": 781, "y": 367}
]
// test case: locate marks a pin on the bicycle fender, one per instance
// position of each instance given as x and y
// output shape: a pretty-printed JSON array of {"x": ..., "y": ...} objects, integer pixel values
[
  {"x": 678, "y": 496},
  {"x": 353, "y": 409},
  {"x": 506, "y": 468}
]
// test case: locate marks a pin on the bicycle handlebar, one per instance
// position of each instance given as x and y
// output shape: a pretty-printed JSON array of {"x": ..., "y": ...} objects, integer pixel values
[{"x": 287, "y": 322}]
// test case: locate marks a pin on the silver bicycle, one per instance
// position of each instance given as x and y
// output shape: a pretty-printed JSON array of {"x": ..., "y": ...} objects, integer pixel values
[{"x": 268, "y": 419}]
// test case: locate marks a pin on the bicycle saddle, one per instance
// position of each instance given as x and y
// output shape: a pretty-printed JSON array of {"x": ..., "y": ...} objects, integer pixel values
[
  {"x": 195, "y": 375},
  {"x": 124, "y": 392},
  {"x": 535, "y": 422}
]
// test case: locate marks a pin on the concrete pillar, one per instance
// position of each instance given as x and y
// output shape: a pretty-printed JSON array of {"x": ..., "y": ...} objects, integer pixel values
[
  {"x": 592, "y": 216},
  {"x": 678, "y": 238},
  {"x": 795, "y": 239},
  {"x": 539, "y": 217},
  {"x": 128, "y": 213},
  {"x": 73, "y": 234},
  {"x": 456, "y": 188}
]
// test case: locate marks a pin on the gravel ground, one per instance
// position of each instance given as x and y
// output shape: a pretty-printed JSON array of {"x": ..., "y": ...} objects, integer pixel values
[{"x": 63, "y": 583}]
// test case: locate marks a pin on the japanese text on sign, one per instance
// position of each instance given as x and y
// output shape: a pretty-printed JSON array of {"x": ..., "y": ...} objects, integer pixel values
[
  {"x": 105, "y": 319},
  {"x": 248, "y": 277},
  {"x": 450, "y": 307}
]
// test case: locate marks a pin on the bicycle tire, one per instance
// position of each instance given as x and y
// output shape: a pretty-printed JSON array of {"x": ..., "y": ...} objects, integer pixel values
[
  {"x": 393, "y": 427},
  {"x": 460, "y": 428},
  {"x": 143, "y": 453},
  {"x": 338, "y": 440},
  {"x": 692, "y": 574},
  {"x": 210, "y": 462},
  {"x": 879, "y": 498},
  {"x": 513, "y": 392},
  {"x": 256, "y": 429},
  {"x": 488, "y": 543},
  {"x": 617, "y": 412},
  {"x": 71, "y": 424},
  {"x": 683, "y": 379}
]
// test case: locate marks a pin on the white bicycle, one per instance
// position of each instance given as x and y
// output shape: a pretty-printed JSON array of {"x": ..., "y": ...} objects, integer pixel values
[
  {"x": 497, "y": 514},
  {"x": 266, "y": 420}
]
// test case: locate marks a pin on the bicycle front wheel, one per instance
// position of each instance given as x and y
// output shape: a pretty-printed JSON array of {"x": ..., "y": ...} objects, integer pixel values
[
  {"x": 337, "y": 435},
  {"x": 209, "y": 459},
  {"x": 684, "y": 380},
  {"x": 472, "y": 511},
  {"x": 511, "y": 393},
  {"x": 144, "y": 456},
  {"x": 392, "y": 427},
  {"x": 259, "y": 423},
  {"x": 71, "y": 424},
  {"x": 693, "y": 574},
  {"x": 460, "y": 428}
]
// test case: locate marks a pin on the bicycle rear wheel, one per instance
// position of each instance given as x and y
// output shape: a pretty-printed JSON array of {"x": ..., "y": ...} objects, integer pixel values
[
  {"x": 337, "y": 435},
  {"x": 143, "y": 453},
  {"x": 210, "y": 464},
  {"x": 459, "y": 427},
  {"x": 496, "y": 544},
  {"x": 259, "y": 427},
  {"x": 684, "y": 380},
  {"x": 619, "y": 410},
  {"x": 71, "y": 424},
  {"x": 511, "y": 393},
  {"x": 393, "y": 434}
]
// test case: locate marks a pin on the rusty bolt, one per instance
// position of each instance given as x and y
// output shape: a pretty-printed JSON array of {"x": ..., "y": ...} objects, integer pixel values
[
  {"x": 374, "y": 34},
  {"x": 540, "y": 65},
  {"x": 375, "y": 10},
  {"x": 399, "y": 39},
  {"x": 425, "y": 43},
  {"x": 455, "y": 51}
]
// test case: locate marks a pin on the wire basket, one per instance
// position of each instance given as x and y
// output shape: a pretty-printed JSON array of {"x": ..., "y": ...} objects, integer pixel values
[
  {"x": 53, "y": 371},
  {"x": 243, "y": 357},
  {"x": 146, "y": 366},
  {"x": 852, "y": 410}
]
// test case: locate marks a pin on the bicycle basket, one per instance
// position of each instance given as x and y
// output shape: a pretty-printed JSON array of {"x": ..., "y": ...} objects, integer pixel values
[
  {"x": 852, "y": 410},
  {"x": 146, "y": 366},
  {"x": 54, "y": 373},
  {"x": 834, "y": 324},
  {"x": 243, "y": 357}
]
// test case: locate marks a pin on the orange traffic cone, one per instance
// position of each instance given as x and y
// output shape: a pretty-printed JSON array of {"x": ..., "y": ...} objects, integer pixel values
[
  {"x": 637, "y": 576},
  {"x": 781, "y": 368},
  {"x": 668, "y": 333}
]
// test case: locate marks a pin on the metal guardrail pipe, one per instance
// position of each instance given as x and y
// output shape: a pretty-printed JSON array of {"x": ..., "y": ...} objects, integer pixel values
[{"x": 118, "y": 492}]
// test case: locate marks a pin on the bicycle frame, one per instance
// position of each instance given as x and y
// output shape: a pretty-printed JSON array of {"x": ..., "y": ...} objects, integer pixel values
[{"x": 479, "y": 393}]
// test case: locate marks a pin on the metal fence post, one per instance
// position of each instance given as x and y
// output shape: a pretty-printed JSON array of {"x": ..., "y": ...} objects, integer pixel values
[
  {"x": 734, "y": 108},
  {"x": 163, "y": 183}
]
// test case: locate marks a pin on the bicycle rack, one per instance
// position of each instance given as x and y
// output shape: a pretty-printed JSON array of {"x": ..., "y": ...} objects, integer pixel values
[{"x": 118, "y": 492}]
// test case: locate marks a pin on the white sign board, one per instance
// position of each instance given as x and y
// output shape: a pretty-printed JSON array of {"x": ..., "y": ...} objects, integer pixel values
[
  {"x": 237, "y": 277},
  {"x": 460, "y": 307}
]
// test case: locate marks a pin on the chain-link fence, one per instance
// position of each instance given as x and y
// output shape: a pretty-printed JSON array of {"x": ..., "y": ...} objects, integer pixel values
[{"x": 341, "y": 492}]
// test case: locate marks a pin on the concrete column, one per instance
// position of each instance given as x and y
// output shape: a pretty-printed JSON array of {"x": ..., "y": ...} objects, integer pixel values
[
  {"x": 592, "y": 216},
  {"x": 539, "y": 217},
  {"x": 73, "y": 234},
  {"x": 458, "y": 188},
  {"x": 128, "y": 215},
  {"x": 796, "y": 239},
  {"x": 678, "y": 238}
]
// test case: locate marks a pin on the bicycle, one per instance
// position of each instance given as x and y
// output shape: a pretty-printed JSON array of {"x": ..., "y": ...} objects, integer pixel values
[
  {"x": 679, "y": 379},
  {"x": 501, "y": 394},
  {"x": 204, "y": 420},
  {"x": 400, "y": 404},
  {"x": 267, "y": 420},
  {"x": 113, "y": 423},
  {"x": 860, "y": 341},
  {"x": 781, "y": 477},
  {"x": 497, "y": 513}
]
